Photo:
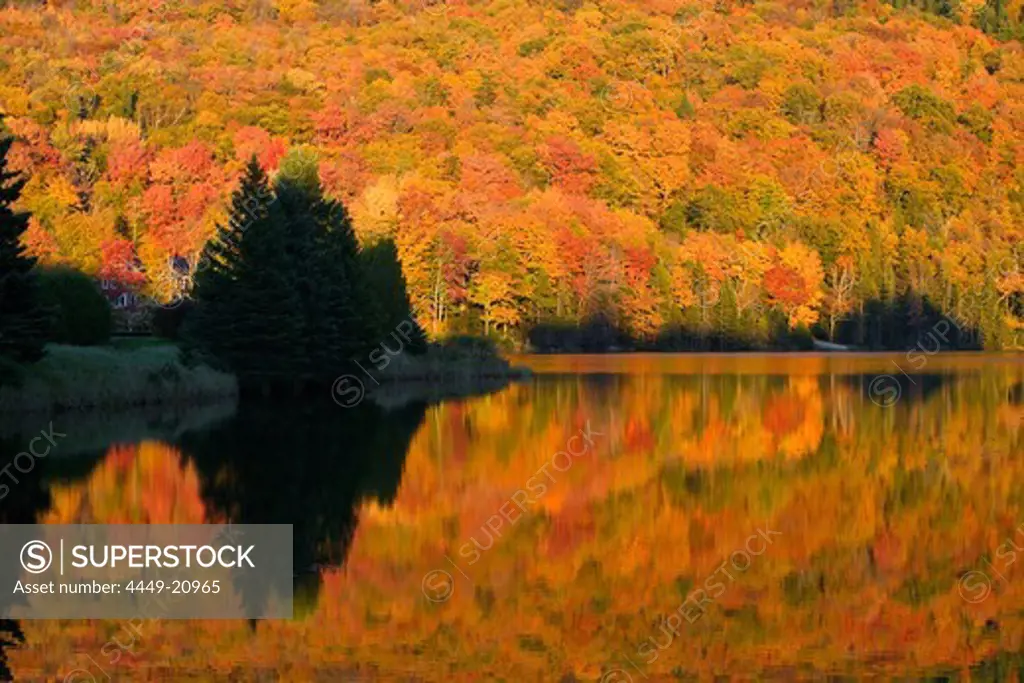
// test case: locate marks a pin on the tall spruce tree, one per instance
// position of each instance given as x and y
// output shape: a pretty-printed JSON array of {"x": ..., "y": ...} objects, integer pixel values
[
  {"x": 248, "y": 312},
  {"x": 336, "y": 305},
  {"x": 384, "y": 277},
  {"x": 24, "y": 320},
  {"x": 352, "y": 303},
  {"x": 286, "y": 296}
]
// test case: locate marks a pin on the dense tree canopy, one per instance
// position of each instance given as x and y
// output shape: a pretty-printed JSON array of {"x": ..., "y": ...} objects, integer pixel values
[
  {"x": 24, "y": 320},
  {"x": 713, "y": 165}
]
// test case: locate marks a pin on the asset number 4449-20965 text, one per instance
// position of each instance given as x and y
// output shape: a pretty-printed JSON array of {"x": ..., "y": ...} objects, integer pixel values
[{"x": 176, "y": 586}]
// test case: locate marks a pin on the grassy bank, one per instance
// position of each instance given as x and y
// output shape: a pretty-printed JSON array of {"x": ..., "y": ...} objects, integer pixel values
[
  {"x": 72, "y": 377},
  {"x": 458, "y": 362},
  {"x": 148, "y": 372},
  {"x": 444, "y": 371}
]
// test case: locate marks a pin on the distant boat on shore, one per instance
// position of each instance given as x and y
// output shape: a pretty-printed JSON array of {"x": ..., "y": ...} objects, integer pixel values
[{"x": 820, "y": 345}]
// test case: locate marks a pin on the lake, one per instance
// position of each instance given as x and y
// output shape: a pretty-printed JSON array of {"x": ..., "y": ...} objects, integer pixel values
[{"x": 614, "y": 518}]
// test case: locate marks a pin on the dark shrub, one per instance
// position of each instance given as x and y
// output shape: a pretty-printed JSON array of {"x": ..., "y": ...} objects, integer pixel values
[
  {"x": 82, "y": 314},
  {"x": 470, "y": 346},
  {"x": 11, "y": 373},
  {"x": 167, "y": 321}
]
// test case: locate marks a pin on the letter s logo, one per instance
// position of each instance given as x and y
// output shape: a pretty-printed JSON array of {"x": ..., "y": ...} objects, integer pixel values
[{"x": 36, "y": 557}]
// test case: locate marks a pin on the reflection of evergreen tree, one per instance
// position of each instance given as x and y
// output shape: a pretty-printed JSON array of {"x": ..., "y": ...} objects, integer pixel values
[
  {"x": 10, "y": 635},
  {"x": 22, "y": 505},
  {"x": 999, "y": 667},
  {"x": 306, "y": 466}
]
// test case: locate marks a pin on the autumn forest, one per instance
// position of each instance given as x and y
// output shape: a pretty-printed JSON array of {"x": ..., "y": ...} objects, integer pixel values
[{"x": 699, "y": 173}]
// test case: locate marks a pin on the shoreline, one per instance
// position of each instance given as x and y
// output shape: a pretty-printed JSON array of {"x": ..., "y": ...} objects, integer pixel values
[
  {"x": 73, "y": 378},
  {"x": 89, "y": 380},
  {"x": 443, "y": 364}
]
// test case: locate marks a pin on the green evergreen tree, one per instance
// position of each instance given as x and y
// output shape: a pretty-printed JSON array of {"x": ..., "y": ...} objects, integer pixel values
[
  {"x": 338, "y": 311},
  {"x": 992, "y": 17},
  {"x": 354, "y": 303},
  {"x": 248, "y": 311},
  {"x": 383, "y": 273},
  {"x": 24, "y": 320},
  {"x": 288, "y": 297}
]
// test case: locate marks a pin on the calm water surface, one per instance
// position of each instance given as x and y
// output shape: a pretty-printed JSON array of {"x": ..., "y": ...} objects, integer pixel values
[{"x": 623, "y": 518}]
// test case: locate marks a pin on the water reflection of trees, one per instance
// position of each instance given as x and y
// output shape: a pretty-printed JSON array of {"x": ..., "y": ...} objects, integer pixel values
[
  {"x": 10, "y": 635},
  {"x": 22, "y": 504},
  {"x": 881, "y": 508},
  {"x": 308, "y": 466}
]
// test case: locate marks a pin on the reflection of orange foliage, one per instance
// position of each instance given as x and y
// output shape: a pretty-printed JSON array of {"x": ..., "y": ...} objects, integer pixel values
[
  {"x": 687, "y": 468},
  {"x": 782, "y": 414},
  {"x": 569, "y": 529},
  {"x": 888, "y": 552},
  {"x": 144, "y": 484},
  {"x": 638, "y": 436},
  {"x": 805, "y": 436}
]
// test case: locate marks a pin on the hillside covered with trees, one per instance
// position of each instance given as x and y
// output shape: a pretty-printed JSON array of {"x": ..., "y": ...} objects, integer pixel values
[{"x": 683, "y": 169}]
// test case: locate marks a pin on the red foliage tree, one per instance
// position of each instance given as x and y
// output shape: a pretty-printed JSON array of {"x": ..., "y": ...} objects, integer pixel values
[
  {"x": 128, "y": 162},
  {"x": 785, "y": 286},
  {"x": 570, "y": 168},
  {"x": 252, "y": 140}
]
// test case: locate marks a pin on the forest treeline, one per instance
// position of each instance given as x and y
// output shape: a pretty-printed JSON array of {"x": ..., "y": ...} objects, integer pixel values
[
  {"x": 687, "y": 174},
  {"x": 285, "y": 298}
]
